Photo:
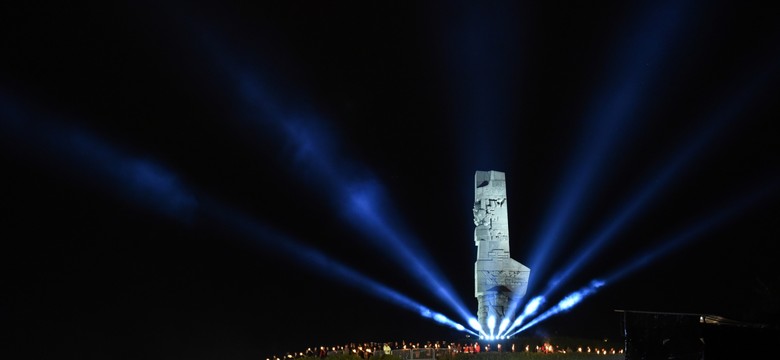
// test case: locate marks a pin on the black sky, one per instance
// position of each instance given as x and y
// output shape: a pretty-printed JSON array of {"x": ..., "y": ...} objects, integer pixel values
[{"x": 413, "y": 95}]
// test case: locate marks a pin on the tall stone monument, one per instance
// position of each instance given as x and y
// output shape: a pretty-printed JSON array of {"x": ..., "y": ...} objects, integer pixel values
[{"x": 498, "y": 278}]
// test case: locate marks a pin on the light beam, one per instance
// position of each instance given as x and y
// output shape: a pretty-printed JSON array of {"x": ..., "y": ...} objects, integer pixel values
[
  {"x": 153, "y": 187},
  {"x": 366, "y": 208}
]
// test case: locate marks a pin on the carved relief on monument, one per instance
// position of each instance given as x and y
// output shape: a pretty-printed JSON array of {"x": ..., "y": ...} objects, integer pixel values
[
  {"x": 480, "y": 214},
  {"x": 498, "y": 254},
  {"x": 498, "y": 277}
]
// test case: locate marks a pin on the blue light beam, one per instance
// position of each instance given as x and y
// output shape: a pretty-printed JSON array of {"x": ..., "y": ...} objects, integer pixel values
[
  {"x": 696, "y": 230},
  {"x": 608, "y": 122},
  {"x": 82, "y": 156},
  {"x": 670, "y": 243},
  {"x": 530, "y": 309},
  {"x": 482, "y": 59},
  {"x": 264, "y": 236},
  {"x": 366, "y": 207},
  {"x": 686, "y": 153},
  {"x": 150, "y": 185},
  {"x": 565, "y": 304}
]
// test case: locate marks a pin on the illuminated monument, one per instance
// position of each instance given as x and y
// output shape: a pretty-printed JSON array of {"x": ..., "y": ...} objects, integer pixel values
[{"x": 497, "y": 277}]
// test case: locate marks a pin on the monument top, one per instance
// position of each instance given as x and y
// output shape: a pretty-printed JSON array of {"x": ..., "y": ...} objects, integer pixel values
[{"x": 490, "y": 175}]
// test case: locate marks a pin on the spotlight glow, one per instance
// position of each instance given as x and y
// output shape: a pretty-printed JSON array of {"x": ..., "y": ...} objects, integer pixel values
[
  {"x": 529, "y": 310},
  {"x": 85, "y": 158},
  {"x": 368, "y": 209},
  {"x": 440, "y": 318},
  {"x": 673, "y": 242},
  {"x": 320, "y": 263},
  {"x": 694, "y": 231},
  {"x": 565, "y": 304},
  {"x": 726, "y": 113},
  {"x": 480, "y": 77},
  {"x": 474, "y": 323},
  {"x": 607, "y": 125},
  {"x": 146, "y": 183},
  {"x": 504, "y": 324}
]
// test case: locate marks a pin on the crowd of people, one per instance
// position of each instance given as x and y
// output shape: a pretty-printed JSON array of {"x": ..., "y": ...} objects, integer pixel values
[{"x": 404, "y": 349}]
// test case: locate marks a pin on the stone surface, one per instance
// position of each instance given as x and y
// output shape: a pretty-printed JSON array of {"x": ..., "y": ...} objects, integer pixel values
[{"x": 497, "y": 277}]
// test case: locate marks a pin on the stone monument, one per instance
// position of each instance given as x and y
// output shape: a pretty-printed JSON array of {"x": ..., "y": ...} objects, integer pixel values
[{"x": 498, "y": 278}]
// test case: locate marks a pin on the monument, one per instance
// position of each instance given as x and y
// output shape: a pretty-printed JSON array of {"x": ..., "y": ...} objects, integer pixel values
[{"x": 498, "y": 278}]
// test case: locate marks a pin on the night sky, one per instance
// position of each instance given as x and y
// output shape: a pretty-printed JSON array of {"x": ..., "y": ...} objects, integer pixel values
[{"x": 183, "y": 180}]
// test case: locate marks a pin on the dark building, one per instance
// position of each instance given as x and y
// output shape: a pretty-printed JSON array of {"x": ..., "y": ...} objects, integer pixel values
[{"x": 662, "y": 335}]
